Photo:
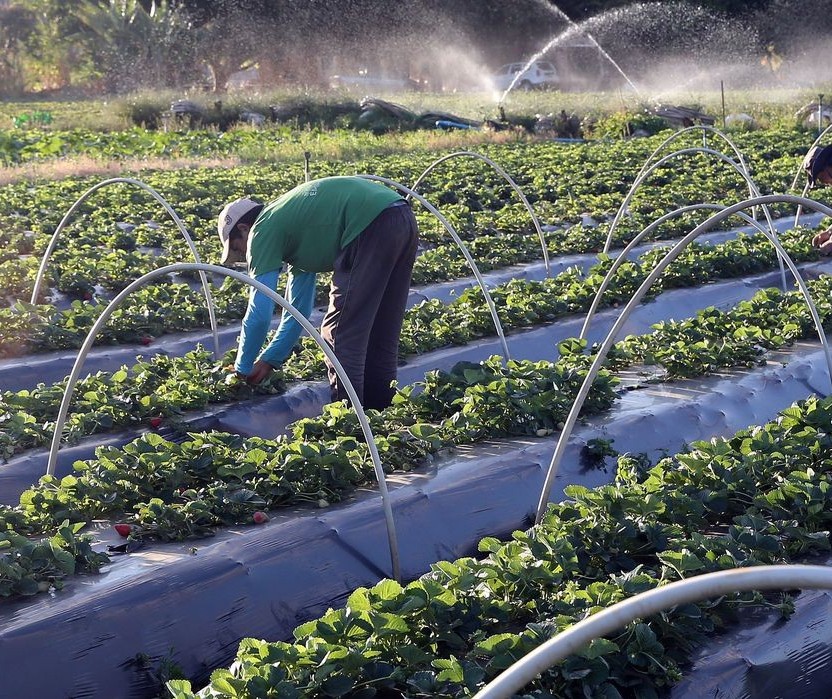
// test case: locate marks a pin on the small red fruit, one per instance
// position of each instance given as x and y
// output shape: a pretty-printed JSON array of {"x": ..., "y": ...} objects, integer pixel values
[
  {"x": 124, "y": 529},
  {"x": 260, "y": 517},
  {"x": 146, "y": 340},
  {"x": 87, "y": 296},
  {"x": 155, "y": 422}
]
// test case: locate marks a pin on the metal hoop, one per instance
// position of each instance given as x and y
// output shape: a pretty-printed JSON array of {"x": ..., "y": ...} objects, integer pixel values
[
  {"x": 594, "y": 368},
  {"x": 622, "y": 256},
  {"x": 507, "y": 178},
  {"x": 645, "y": 604},
  {"x": 286, "y": 306},
  {"x": 473, "y": 265},
  {"x": 158, "y": 197}
]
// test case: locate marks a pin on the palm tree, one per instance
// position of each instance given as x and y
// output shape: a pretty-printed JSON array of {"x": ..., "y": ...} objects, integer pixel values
[{"x": 137, "y": 47}]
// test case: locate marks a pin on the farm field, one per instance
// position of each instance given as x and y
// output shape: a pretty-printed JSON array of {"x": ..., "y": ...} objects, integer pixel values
[{"x": 701, "y": 444}]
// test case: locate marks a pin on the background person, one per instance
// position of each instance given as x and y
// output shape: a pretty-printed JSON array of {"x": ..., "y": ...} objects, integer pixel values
[
  {"x": 818, "y": 166},
  {"x": 362, "y": 232}
]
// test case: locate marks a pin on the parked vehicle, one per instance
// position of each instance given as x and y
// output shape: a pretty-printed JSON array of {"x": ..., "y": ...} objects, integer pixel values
[{"x": 540, "y": 75}]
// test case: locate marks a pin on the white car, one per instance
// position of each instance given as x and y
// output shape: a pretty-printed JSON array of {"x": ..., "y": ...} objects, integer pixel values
[{"x": 540, "y": 74}]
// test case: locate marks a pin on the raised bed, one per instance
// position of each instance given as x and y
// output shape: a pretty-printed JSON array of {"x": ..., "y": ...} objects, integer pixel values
[{"x": 267, "y": 417}]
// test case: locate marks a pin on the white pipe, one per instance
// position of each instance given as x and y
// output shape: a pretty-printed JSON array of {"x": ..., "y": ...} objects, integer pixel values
[
  {"x": 500, "y": 171},
  {"x": 286, "y": 306},
  {"x": 753, "y": 191},
  {"x": 645, "y": 604},
  {"x": 473, "y": 265},
  {"x": 704, "y": 227},
  {"x": 158, "y": 197},
  {"x": 622, "y": 256}
]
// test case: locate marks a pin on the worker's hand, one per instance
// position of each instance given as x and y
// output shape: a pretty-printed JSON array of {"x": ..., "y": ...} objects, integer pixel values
[
  {"x": 232, "y": 375},
  {"x": 260, "y": 371},
  {"x": 823, "y": 241}
]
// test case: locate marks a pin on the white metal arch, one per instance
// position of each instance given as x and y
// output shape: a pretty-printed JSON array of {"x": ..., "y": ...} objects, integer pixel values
[
  {"x": 181, "y": 226},
  {"x": 753, "y": 191},
  {"x": 500, "y": 171},
  {"x": 619, "y": 260},
  {"x": 470, "y": 260},
  {"x": 286, "y": 306},
  {"x": 705, "y": 129},
  {"x": 704, "y": 227},
  {"x": 645, "y": 604}
]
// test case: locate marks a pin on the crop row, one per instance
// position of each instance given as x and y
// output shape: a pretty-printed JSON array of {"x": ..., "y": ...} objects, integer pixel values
[
  {"x": 174, "y": 491},
  {"x": 762, "y": 496},
  {"x": 151, "y": 311},
  {"x": 167, "y": 490},
  {"x": 591, "y": 178},
  {"x": 165, "y": 386}
]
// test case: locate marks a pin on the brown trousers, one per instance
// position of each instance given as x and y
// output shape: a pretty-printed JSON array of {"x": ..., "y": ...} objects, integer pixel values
[{"x": 367, "y": 300}]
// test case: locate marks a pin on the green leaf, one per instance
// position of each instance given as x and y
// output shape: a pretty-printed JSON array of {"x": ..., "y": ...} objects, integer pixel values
[
  {"x": 449, "y": 670},
  {"x": 387, "y": 590},
  {"x": 359, "y": 601}
]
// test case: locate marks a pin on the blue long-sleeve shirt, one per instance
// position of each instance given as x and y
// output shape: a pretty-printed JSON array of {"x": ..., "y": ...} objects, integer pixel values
[{"x": 300, "y": 292}]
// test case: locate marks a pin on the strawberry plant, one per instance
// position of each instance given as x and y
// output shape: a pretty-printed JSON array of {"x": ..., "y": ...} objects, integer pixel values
[{"x": 759, "y": 497}]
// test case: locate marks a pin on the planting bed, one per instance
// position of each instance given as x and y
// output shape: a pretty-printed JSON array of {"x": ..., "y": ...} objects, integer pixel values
[
  {"x": 354, "y": 538},
  {"x": 25, "y": 372},
  {"x": 268, "y": 416}
]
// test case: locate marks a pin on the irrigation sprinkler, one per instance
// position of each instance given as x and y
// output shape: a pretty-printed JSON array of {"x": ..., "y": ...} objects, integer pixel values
[
  {"x": 688, "y": 591},
  {"x": 645, "y": 173},
  {"x": 181, "y": 226},
  {"x": 285, "y": 306},
  {"x": 596, "y": 302},
  {"x": 500, "y": 171},
  {"x": 674, "y": 252},
  {"x": 470, "y": 260}
]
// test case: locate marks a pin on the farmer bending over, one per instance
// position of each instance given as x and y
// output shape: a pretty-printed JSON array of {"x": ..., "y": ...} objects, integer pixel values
[
  {"x": 818, "y": 166},
  {"x": 362, "y": 232}
]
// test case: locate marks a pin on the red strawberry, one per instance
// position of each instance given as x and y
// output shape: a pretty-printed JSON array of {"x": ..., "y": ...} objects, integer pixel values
[
  {"x": 146, "y": 340},
  {"x": 260, "y": 517},
  {"x": 88, "y": 296},
  {"x": 124, "y": 529},
  {"x": 155, "y": 422}
]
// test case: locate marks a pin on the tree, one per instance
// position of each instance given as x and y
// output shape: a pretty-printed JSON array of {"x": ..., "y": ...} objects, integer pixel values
[
  {"x": 137, "y": 47},
  {"x": 17, "y": 26}
]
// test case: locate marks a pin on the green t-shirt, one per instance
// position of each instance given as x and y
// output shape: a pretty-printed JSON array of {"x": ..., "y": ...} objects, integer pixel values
[{"x": 309, "y": 225}]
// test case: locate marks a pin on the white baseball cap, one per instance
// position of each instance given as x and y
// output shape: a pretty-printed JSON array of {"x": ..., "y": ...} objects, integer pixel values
[{"x": 227, "y": 221}]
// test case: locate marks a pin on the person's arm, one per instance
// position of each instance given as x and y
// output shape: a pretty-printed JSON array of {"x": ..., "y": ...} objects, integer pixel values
[
  {"x": 300, "y": 292},
  {"x": 256, "y": 323}
]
